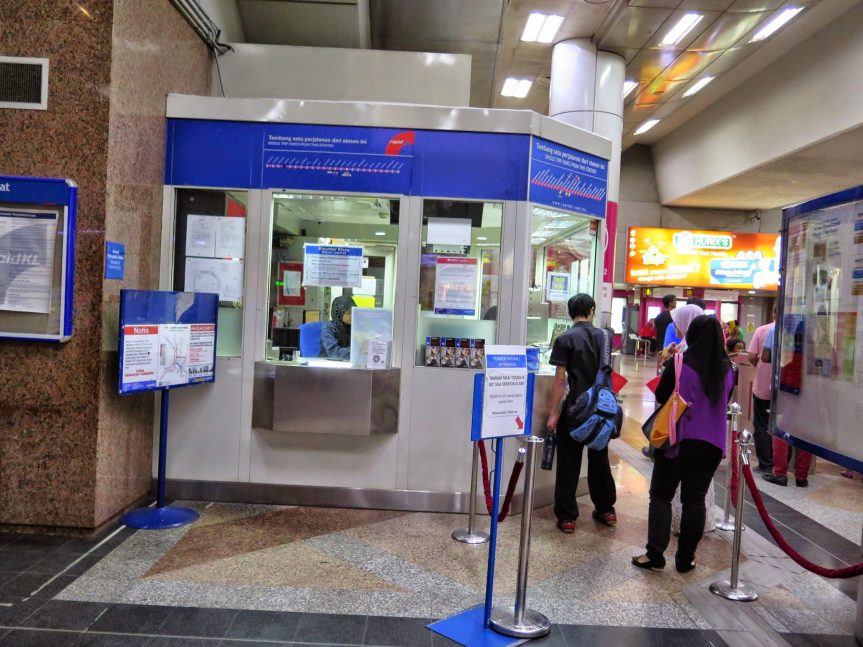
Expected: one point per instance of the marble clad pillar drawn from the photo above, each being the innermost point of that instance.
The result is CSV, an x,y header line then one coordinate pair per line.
x,y
73,454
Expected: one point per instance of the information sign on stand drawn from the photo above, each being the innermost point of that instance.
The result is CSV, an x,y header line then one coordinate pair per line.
x,y
167,340
504,407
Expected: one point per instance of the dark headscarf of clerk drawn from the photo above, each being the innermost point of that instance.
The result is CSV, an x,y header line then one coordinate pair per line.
x,y
336,334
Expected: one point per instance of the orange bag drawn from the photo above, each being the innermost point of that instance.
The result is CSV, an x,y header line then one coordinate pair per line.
x,y
664,430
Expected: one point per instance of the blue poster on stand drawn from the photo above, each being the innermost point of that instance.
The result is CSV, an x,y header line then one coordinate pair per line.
x,y
335,158
565,178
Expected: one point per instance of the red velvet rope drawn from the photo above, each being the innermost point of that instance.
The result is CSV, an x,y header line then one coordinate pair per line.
x,y
834,573
510,490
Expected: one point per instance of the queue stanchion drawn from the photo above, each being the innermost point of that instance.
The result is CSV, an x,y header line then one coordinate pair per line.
x,y
734,410
734,589
518,621
470,535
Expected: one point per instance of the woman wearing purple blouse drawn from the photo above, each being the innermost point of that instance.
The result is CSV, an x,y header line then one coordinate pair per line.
x,y
706,382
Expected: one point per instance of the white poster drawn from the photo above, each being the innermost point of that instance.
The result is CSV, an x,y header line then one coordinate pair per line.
x,y
173,354
504,404
140,355
449,231
291,283
230,237
557,287
202,351
217,275
456,286
27,260
369,287
338,266
201,236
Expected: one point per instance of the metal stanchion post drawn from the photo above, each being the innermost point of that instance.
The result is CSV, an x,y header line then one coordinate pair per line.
x,y
519,621
734,589
734,411
469,535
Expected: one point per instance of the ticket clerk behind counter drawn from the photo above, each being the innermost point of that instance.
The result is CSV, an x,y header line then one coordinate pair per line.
x,y
336,334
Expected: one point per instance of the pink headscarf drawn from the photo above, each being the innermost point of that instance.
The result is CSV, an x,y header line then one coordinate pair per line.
x,y
682,317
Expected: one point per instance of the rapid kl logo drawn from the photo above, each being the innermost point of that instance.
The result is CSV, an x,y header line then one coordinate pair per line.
x,y
688,240
397,142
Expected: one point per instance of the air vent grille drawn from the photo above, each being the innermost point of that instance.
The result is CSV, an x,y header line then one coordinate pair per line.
x,y
23,83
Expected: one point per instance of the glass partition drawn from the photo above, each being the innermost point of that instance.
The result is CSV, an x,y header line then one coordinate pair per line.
x,y
563,263
332,279
459,283
209,248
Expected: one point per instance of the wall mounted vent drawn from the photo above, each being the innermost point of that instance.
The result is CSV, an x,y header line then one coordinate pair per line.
x,y
23,83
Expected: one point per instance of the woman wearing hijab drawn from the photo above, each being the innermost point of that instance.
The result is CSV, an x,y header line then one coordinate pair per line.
x,y
675,335
706,382
336,334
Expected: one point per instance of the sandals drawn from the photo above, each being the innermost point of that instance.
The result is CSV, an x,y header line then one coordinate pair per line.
x,y
566,527
643,561
606,518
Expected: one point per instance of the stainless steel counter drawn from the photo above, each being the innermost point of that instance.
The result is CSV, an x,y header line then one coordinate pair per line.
x,y
323,400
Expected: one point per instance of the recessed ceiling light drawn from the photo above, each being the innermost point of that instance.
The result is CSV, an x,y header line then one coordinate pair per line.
x,y
775,24
380,233
629,86
481,238
541,28
695,88
647,125
523,88
683,27
517,88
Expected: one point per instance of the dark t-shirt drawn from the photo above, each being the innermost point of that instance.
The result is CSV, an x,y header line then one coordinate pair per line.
x,y
663,320
578,349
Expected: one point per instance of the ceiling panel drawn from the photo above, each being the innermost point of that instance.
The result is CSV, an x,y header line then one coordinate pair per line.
x,y
689,65
440,20
709,17
319,24
667,4
635,27
659,90
706,5
755,5
650,63
726,31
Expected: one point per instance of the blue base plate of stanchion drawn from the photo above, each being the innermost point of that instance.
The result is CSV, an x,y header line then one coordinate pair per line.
x,y
466,628
159,518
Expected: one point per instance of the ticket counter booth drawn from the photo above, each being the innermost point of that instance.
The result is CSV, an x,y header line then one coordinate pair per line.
x,y
438,230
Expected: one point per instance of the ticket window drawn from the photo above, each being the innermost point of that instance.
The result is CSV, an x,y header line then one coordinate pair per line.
x,y
209,251
457,312
563,263
302,289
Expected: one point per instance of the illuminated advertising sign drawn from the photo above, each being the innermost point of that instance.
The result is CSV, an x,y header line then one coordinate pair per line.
x,y
689,258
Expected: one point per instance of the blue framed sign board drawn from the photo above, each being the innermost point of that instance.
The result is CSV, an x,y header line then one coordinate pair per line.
x,y
167,339
360,159
37,258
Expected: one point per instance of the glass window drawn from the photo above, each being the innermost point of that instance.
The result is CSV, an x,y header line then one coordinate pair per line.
x,y
209,247
563,262
459,282
332,278
618,304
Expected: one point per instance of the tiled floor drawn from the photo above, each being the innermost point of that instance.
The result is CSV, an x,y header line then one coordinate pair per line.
x,y
247,575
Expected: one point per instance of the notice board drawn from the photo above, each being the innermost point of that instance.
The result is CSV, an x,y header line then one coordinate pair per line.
x,y
167,339
818,380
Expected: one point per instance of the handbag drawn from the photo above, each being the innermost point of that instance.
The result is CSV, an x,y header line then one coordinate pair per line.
x,y
661,427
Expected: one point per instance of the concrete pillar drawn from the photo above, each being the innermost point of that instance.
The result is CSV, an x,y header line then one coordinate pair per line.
x,y
587,91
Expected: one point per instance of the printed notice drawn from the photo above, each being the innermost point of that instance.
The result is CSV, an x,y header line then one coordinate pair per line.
x,y
557,289
202,352
505,392
215,275
173,355
201,236
333,266
230,237
26,260
140,356
456,286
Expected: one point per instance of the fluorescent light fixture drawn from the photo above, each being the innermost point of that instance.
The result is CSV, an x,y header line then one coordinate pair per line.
x,y
481,238
523,88
698,86
549,29
629,86
775,24
380,233
647,125
683,27
509,87
541,28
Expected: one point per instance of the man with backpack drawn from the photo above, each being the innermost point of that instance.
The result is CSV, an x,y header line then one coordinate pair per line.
x,y
577,355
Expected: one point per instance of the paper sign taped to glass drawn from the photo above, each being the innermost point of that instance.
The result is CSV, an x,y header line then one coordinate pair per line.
x,y
26,259
339,266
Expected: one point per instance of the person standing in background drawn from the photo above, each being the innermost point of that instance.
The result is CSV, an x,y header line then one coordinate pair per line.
x,y
663,320
762,390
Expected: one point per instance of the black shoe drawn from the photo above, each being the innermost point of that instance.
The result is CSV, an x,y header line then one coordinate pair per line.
x,y
802,482
684,567
778,480
643,561
765,469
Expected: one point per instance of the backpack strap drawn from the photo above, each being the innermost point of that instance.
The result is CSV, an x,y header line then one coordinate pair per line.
x,y
603,374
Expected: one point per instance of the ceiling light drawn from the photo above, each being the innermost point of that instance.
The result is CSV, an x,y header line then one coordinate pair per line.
x,y
629,86
776,23
481,238
380,233
523,88
683,27
509,87
647,125
541,28
549,29
695,88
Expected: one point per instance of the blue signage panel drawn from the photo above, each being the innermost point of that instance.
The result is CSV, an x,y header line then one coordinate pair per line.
x,y
167,339
565,178
32,190
115,260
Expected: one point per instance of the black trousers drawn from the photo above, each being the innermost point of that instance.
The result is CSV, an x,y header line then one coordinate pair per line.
x,y
763,439
692,469
600,482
